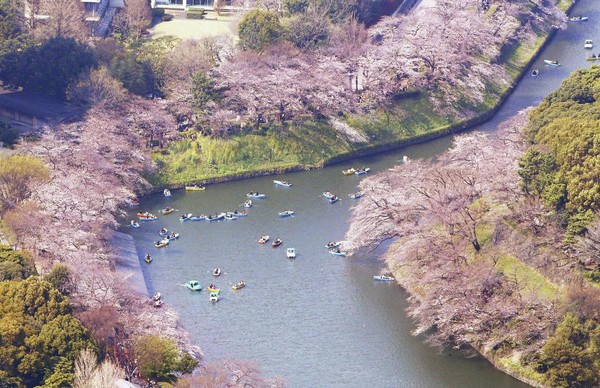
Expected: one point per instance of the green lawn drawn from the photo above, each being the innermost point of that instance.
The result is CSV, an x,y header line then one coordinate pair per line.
x,y
183,28
528,279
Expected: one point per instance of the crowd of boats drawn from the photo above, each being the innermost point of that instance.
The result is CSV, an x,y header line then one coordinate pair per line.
x,y
333,247
213,289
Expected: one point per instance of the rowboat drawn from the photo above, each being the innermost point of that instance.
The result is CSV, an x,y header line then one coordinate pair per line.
x,y
337,252
263,239
229,217
134,224
328,194
384,278
588,44
198,218
162,243
194,285
282,183
333,244
163,232
167,210
166,193
349,171
256,195
356,195
214,288
362,171
248,204
406,159
214,297
238,285
276,243
549,62
216,217
535,73
195,188
151,217
185,217
239,214
578,19
290,253
286,213
334,199
148,259
217,272
145,215
593,57
173,236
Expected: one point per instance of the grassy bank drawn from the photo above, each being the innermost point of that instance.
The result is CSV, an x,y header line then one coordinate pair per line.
x,y
313,144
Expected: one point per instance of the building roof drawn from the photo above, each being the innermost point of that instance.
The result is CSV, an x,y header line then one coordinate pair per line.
x,y
37,105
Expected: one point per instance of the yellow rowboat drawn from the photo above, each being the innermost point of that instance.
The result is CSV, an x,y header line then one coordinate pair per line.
x,y
349,171
195,188
593,58
162,243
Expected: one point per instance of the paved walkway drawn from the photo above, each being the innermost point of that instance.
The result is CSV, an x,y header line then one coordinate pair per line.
x,y
128,263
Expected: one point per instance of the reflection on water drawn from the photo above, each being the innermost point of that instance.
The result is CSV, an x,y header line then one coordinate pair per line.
x,y
318,320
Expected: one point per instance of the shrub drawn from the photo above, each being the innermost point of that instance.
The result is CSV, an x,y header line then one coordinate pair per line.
x,y
258,29
194,14
8,134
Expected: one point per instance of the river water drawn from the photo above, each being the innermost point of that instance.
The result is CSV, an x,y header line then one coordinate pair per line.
x,y
318,320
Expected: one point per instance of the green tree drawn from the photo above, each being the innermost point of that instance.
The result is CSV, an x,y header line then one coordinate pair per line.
x,y
537,170
40,339
187,364
19,174
62,376
569,358
293,7
134,76
158,358
13,32
48,68
154,55
203,91
565,125
8,134
308,30
60,278
258,29
15,265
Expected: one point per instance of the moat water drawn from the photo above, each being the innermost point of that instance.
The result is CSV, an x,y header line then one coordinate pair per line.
x,y
319,320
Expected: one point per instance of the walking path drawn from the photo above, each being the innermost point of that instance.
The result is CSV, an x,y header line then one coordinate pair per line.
x,y
128,263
